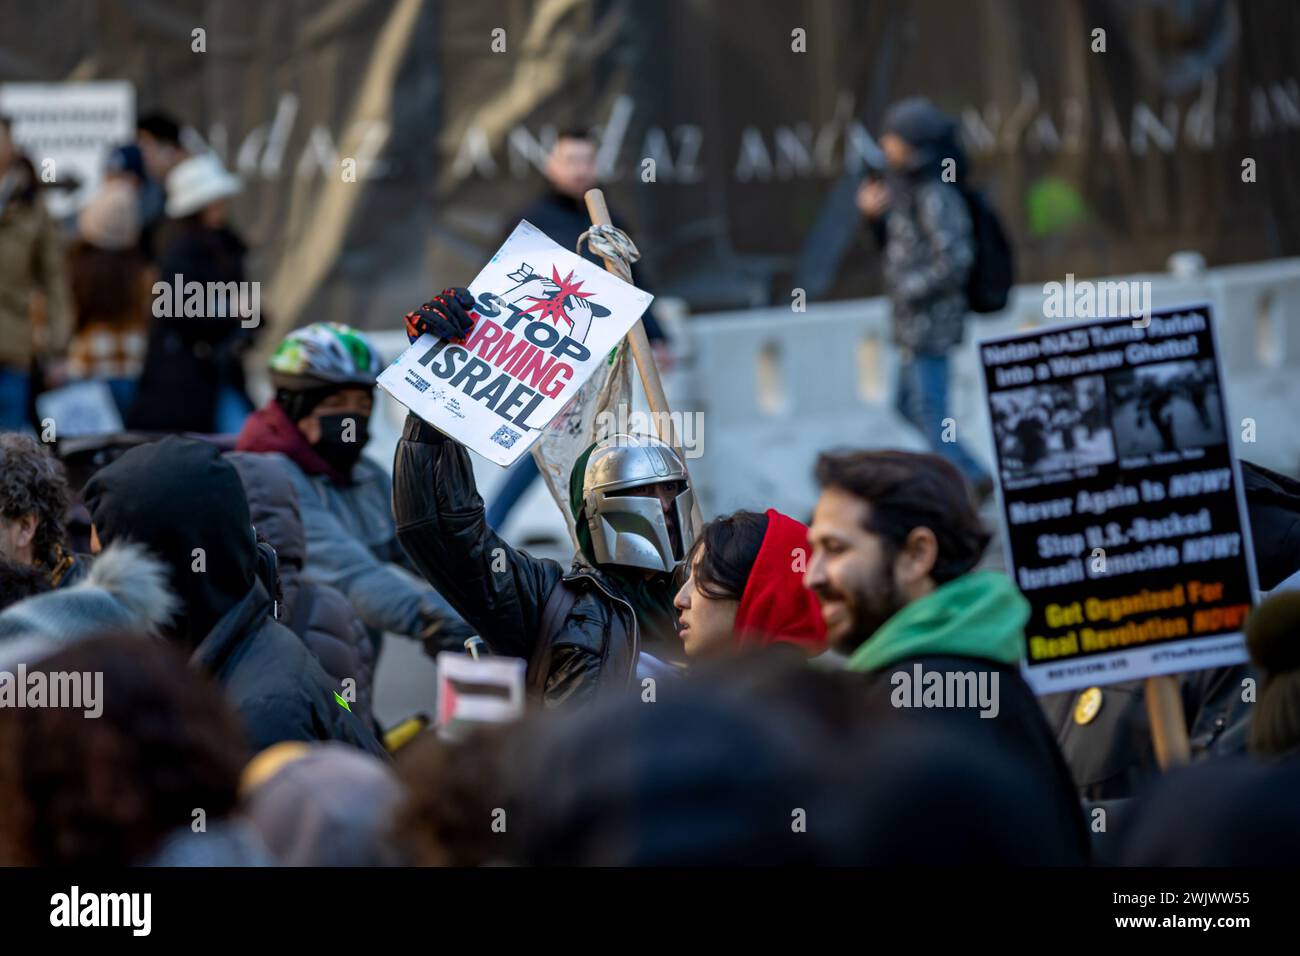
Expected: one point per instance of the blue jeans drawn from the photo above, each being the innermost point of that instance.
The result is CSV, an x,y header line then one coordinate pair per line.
x,y
15,388
518,481
232,409
922,399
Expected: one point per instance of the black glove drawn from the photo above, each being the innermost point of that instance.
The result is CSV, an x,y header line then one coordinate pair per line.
x,y
443,633
446,316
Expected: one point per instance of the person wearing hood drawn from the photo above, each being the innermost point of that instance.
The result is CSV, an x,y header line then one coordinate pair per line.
x,y
895,540
744,589
929,250
316,612
316,427
579,629
185,503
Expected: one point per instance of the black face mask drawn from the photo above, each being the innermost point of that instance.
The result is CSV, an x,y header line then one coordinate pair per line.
x,y
334,446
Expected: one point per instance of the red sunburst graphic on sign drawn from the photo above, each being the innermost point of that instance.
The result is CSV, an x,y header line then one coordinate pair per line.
x,y
553,307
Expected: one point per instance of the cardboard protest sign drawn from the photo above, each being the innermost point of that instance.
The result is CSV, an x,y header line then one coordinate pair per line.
x,y
1124,512
546,320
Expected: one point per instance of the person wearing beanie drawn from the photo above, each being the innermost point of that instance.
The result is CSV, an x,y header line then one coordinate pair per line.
x,y
185,503
316,427
111,288
744,588
929,251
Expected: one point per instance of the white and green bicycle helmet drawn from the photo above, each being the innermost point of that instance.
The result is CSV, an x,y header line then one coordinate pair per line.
x,y
319,359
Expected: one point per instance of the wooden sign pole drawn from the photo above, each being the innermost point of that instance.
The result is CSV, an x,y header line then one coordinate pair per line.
x,y
1168,723
642,354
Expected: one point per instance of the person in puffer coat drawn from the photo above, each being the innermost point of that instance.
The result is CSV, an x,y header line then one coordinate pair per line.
x,y
184,502
606,622
317,425
316,612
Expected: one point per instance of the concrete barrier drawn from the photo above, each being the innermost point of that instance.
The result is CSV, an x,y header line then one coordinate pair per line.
x,y
775,387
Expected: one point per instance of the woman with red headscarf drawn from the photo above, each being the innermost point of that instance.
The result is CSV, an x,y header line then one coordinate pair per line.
x,y
745,588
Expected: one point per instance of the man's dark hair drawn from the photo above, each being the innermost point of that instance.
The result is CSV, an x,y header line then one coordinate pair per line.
x,y
728,547
575,132
907,490
32,481
20,581
161,126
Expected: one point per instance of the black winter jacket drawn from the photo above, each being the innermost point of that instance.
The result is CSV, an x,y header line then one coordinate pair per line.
x,y
588,641
1018,730
316,612
275,685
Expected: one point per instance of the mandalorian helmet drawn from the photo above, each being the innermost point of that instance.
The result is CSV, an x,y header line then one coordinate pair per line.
x,y
626,517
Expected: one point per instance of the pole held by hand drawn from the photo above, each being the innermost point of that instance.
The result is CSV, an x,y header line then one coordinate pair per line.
x,y
642,354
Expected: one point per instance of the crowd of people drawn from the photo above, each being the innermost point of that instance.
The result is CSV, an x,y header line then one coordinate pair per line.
x,y
217,590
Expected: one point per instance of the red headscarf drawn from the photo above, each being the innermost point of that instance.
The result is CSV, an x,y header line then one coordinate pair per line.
x,y
776,607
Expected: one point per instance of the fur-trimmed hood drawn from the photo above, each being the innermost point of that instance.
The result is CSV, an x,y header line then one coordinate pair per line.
x,y
124,591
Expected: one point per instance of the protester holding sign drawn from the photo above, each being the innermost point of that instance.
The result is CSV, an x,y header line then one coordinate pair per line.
x,y
611,613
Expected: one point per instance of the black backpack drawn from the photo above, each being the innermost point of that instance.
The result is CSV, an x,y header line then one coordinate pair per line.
x,y
993,272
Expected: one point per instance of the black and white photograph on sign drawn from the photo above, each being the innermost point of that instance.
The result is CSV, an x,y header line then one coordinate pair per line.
x,y
1054,427
1165,407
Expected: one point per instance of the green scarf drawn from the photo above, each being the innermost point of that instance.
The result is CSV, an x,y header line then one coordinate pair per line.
x,y
980,614
651,597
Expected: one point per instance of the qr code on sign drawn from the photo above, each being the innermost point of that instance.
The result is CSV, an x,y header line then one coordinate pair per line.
x,y
505,437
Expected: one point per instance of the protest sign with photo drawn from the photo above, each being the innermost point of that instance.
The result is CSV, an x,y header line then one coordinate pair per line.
x,y
545,321
1124,512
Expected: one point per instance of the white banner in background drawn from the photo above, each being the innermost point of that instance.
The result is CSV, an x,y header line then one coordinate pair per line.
x,y
75,125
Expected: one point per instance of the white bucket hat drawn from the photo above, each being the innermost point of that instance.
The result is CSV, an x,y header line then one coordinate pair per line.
x,y
195,182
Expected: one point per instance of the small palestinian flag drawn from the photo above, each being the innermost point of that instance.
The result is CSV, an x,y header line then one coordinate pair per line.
x,y
485,691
